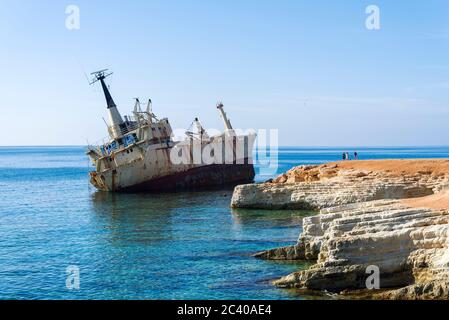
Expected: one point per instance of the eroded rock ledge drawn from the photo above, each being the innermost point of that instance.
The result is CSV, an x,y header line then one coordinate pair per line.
x,y
323,186
365,221
409,245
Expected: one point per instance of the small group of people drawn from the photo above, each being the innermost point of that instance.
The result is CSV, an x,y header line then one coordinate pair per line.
x,y
346,156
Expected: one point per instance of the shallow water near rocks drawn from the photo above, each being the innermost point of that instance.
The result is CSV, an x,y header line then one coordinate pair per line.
x,y
187,245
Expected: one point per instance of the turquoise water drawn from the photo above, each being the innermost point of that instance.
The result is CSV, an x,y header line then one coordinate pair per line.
x,y
170,246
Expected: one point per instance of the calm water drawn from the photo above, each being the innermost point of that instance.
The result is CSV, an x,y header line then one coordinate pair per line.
x,y
169,246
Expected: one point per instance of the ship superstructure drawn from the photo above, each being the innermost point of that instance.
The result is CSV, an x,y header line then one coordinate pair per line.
x,y
140,154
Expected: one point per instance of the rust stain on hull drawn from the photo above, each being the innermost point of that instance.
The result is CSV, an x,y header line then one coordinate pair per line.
x,y
198,178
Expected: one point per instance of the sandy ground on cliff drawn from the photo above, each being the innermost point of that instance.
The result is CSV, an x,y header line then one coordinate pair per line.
x,y
435,167
398,167
439,201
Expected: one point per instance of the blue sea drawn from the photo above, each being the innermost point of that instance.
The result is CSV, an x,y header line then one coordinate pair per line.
x,y
188,245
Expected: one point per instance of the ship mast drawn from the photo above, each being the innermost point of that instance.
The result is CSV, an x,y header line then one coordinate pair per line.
x,y
115,119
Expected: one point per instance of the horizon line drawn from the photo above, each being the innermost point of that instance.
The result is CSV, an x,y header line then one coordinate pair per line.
x,y
284,146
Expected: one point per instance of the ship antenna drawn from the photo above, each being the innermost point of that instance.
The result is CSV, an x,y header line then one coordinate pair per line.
x,y
87,78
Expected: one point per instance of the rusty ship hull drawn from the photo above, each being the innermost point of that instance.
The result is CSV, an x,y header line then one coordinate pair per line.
x,y
198,178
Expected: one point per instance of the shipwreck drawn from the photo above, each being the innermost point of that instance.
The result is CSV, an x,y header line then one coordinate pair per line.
x,y
140,154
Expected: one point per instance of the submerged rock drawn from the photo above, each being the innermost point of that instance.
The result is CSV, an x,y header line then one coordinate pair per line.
x,y
295,252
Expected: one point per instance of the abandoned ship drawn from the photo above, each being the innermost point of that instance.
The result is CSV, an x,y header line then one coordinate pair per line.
x,y
141,155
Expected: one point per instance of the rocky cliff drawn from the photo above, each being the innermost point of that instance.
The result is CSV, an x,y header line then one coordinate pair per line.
x,y
316,187
389,216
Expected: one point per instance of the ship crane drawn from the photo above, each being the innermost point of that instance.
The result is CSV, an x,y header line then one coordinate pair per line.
x,y
201,132
146,116
227,124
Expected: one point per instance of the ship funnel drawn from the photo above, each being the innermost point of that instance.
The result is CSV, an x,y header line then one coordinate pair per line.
x,y
115,119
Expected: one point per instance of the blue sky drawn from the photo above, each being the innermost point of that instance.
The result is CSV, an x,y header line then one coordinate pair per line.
x,y
308,68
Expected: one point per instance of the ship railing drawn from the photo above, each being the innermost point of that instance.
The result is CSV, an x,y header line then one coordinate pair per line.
x,y
130,126
142,118
118,130
99,146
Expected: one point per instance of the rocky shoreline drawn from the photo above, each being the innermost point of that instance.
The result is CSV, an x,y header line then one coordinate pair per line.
x,y
386,216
